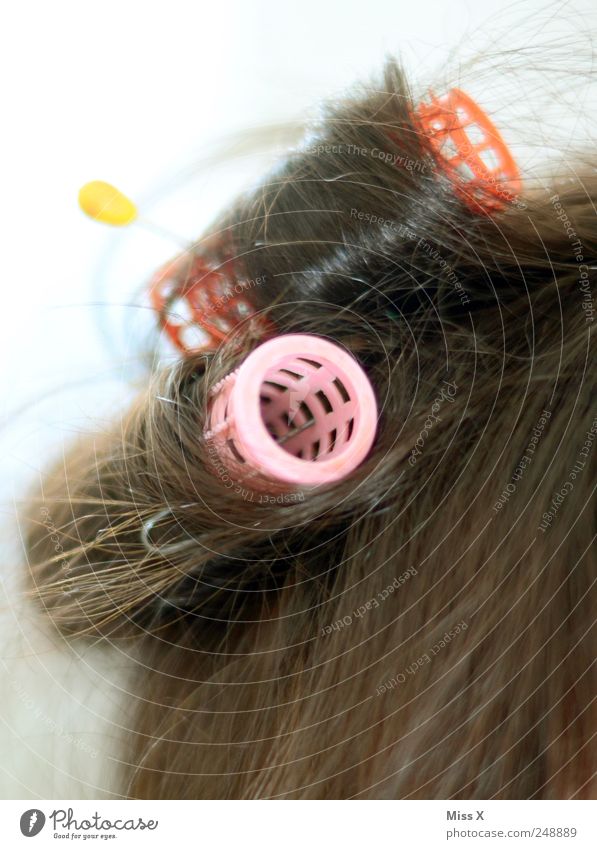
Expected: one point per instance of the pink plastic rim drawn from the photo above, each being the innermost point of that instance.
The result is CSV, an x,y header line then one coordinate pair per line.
x,y
300,410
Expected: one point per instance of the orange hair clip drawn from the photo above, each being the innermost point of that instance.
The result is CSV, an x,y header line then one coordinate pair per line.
x,y
474,154
199,313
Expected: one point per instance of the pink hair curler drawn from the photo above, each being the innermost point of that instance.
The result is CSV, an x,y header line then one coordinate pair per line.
x,y
299,411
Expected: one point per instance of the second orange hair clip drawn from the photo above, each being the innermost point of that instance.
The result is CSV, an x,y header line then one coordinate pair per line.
x,y
471,150
198,313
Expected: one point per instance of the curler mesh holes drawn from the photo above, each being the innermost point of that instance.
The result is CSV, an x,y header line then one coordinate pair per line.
x,y
325,401
489,159
333,436
466,171
283,424
342,389
290,415
194,337
311,362
179,312
167,287
279,386
303,405
305,410
449,149
475,134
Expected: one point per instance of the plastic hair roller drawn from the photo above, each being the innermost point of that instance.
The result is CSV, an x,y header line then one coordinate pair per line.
x,y
473,152
200,312
198,305
299,411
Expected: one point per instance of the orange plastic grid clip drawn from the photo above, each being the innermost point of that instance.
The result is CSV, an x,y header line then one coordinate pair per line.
x,y
198,306
474,154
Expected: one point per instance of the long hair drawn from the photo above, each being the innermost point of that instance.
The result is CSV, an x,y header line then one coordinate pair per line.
x,y
421,629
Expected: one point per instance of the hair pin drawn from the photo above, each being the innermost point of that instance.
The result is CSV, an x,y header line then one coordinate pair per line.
x,y
105,203
299,411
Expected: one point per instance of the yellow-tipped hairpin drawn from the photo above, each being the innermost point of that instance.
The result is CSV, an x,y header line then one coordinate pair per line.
x,y
104,202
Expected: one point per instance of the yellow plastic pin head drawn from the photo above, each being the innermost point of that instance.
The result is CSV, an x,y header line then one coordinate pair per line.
x,y
105,203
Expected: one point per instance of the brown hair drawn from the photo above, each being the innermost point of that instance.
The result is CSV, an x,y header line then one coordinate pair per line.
x,y
421,629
